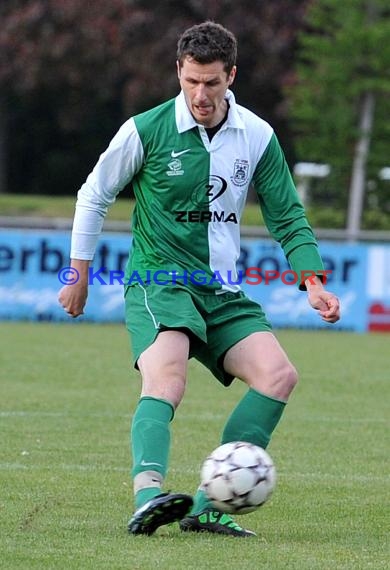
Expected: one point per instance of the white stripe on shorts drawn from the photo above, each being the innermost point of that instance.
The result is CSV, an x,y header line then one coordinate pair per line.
x,y
155,323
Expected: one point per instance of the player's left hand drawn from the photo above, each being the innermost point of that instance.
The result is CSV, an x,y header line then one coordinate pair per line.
x,y
326,303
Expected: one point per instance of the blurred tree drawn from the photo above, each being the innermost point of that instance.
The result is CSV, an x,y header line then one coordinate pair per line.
x,y
71,72
61,70
339,100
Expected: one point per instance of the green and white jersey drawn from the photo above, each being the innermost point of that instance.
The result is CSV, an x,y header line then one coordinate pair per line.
x,y
190,194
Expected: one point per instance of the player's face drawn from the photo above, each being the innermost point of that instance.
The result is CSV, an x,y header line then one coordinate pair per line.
x,y
204,87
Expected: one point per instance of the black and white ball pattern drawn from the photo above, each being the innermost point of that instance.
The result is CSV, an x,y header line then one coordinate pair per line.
x,y
238,477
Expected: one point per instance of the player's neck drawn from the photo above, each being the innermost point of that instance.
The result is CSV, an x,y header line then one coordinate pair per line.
x,y
211,131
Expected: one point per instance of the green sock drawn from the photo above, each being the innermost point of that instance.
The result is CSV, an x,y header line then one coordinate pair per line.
x,y
254,419
201,502
144,495
150,441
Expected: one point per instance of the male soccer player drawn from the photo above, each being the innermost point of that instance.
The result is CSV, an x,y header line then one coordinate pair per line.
x,y
191,161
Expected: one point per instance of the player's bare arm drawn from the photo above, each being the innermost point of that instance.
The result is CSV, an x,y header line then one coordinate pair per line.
x,y
73,297
325,302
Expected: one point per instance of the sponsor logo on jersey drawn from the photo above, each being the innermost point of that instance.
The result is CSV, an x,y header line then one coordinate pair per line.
x,y
195,216
240,172
205,193
209,190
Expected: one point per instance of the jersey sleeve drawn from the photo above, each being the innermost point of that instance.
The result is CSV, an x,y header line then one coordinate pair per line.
x,y
115,168
283,212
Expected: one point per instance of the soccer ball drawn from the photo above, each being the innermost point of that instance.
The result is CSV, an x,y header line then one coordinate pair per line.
x,y
238,477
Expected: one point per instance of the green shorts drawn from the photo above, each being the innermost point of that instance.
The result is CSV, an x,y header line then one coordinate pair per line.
x,y
214,323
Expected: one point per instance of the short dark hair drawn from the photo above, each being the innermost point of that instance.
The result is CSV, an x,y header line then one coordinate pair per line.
x,y
206,43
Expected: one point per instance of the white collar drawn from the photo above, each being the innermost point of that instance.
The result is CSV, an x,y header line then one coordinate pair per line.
x,y
185,121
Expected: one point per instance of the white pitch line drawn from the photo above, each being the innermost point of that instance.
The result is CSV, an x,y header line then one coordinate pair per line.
x,y
291,476
204,416
64,466
343,420
23,414
340,478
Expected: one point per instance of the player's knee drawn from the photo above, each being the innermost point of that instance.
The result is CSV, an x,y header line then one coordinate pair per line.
x,y
278,382
289,378
285,380
169,387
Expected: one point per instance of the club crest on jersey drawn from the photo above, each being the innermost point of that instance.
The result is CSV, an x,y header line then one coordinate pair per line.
x,y
175,168
241,172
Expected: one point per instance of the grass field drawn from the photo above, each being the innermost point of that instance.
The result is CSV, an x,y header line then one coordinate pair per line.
x,y
67,392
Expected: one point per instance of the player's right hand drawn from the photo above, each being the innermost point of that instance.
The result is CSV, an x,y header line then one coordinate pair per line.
x,y
73,299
